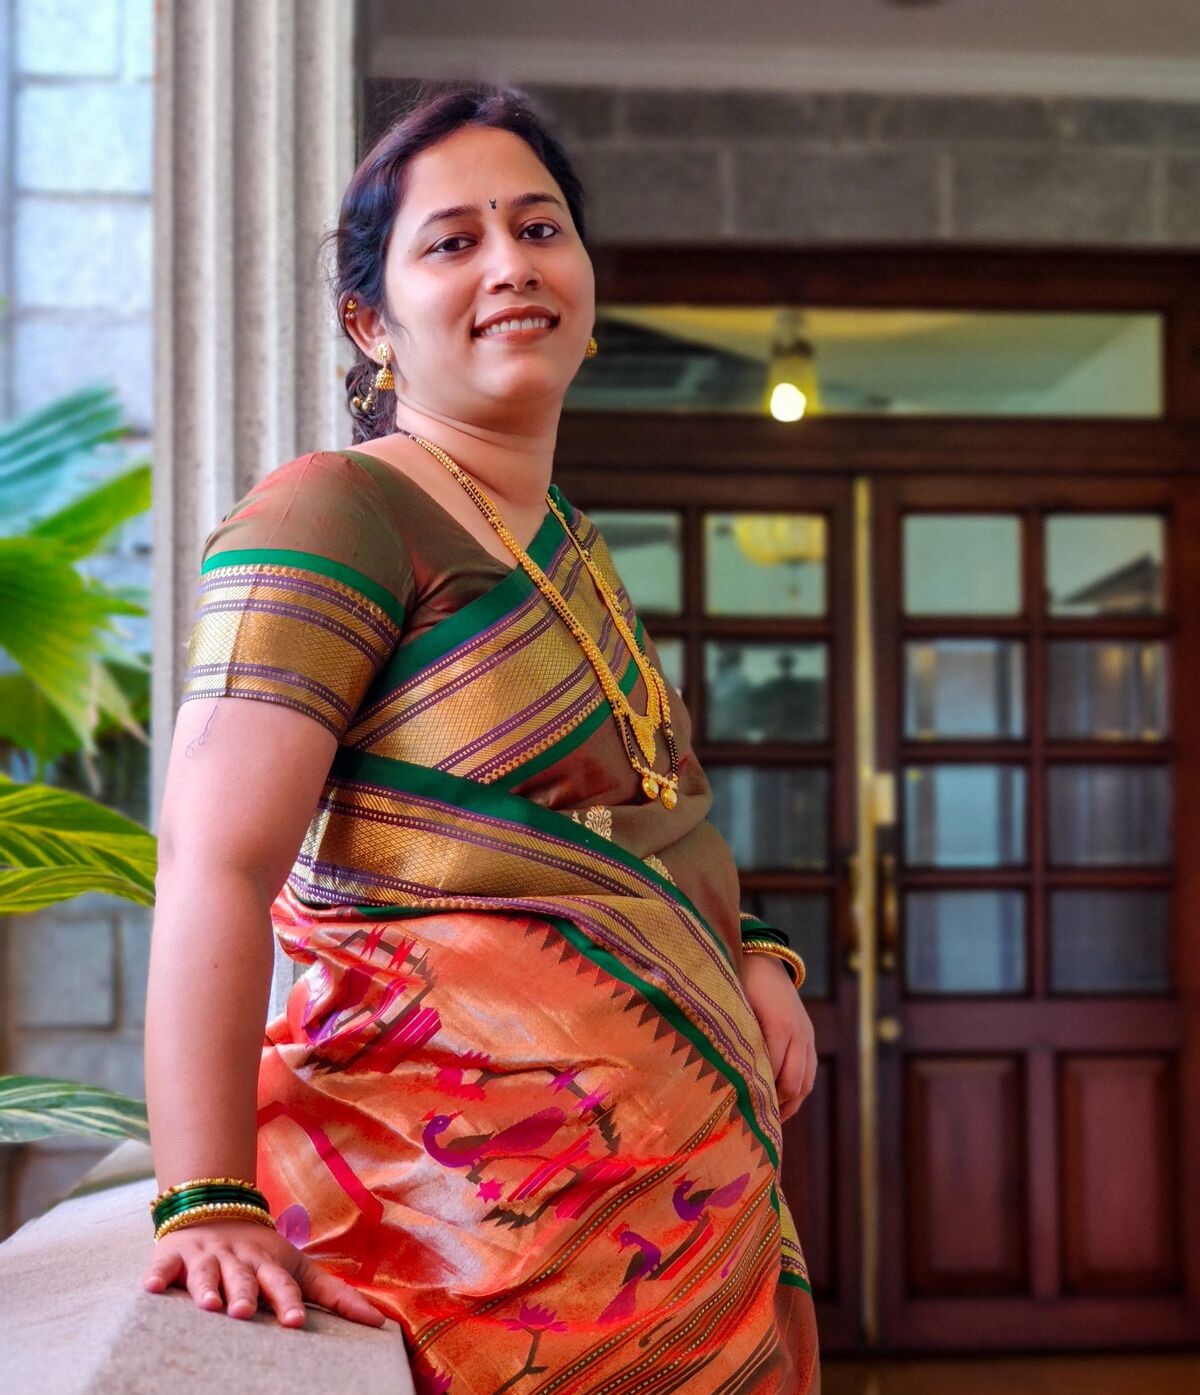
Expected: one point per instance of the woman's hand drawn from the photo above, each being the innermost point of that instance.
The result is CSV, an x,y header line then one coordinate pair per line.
x,y
786,1028
242,1257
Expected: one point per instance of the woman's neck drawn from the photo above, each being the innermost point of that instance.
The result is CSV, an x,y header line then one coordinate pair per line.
x,y
513,467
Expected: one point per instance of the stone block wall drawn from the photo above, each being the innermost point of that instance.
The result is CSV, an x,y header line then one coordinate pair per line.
x,y
679,165
76,274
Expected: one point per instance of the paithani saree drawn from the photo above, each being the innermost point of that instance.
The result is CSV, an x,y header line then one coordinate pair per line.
x,y
517,1097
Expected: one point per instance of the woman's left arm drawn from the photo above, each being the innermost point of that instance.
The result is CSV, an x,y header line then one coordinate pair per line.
x,y
786,1028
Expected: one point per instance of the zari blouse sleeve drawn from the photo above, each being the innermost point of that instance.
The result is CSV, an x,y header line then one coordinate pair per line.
x,y
302,592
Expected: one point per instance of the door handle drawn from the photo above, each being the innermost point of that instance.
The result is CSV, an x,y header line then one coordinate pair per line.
x,y
889,912
853,957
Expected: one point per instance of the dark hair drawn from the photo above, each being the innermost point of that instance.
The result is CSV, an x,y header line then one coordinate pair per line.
x,y
376,191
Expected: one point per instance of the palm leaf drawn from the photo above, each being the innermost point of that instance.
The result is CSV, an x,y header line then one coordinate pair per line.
x,y
38,450
37,1106
48,626
83,525
47,834
32,888
29,719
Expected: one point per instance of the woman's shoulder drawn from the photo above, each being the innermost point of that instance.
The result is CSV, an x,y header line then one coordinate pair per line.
x,y
320,507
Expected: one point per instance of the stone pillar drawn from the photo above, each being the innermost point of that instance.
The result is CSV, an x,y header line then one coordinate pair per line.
x,y
254,143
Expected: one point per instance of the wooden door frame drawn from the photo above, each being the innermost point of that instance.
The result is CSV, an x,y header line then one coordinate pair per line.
x,y
623,457
958,278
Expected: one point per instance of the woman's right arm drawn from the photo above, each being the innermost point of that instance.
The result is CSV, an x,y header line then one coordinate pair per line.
x,y
243,780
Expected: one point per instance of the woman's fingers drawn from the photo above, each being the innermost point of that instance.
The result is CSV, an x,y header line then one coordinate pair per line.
x,y
203,1281
791,1078
810,1072
241,1287
798,1075
162,1271
283,1293
337,1295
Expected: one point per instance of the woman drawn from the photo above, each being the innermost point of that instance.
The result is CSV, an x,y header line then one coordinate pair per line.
x,y
526,1097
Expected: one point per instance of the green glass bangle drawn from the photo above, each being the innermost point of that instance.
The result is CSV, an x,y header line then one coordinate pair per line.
x,y
196,1196
213,1190
182,1200
160,1218
752,928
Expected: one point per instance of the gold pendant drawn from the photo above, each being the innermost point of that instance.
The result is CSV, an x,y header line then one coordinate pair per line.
x,y
650,785
644,730
669,797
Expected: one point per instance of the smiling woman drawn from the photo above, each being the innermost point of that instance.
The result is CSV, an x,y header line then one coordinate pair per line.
x,y
526,1098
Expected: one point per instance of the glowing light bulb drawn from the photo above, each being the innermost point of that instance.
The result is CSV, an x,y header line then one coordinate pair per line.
x,y
787,402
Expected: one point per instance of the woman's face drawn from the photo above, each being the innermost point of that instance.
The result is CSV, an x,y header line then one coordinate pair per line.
x,y
512,243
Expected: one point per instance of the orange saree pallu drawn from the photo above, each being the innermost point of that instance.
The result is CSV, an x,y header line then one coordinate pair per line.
x,y
517,1097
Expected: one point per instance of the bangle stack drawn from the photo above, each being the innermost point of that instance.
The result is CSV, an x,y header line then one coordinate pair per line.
x,y
208,1199
760,938
795,965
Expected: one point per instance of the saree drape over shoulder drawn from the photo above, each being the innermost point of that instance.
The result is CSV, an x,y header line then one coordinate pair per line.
x,y
517,1098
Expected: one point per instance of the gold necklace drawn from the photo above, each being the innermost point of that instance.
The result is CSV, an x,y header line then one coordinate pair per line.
x,y
642,726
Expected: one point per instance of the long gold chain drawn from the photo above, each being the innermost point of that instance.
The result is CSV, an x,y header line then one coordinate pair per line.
x,y
644,727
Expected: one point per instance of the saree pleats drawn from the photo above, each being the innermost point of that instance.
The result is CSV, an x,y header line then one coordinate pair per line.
x,y
538,1171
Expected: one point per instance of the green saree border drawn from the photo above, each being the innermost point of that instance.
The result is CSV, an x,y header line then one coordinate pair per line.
x,y
577,735
678,1019
459,791
795,1281
312,562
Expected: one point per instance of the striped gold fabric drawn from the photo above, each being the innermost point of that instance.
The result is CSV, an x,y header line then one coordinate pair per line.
x,y
286,633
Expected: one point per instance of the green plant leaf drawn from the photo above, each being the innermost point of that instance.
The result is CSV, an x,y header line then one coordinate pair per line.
x,y
29,719
48,626
51,833
85,523
38,451
38,1106
111,699
30,889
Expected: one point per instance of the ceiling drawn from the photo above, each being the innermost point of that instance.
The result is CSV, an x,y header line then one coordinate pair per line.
x,y
1119,47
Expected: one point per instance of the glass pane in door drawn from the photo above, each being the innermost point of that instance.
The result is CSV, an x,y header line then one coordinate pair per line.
x,y
964,941
964,688
962,564
1110,941
964,815
764,564
1109,815
1104,564
1107,690
773,816
765,692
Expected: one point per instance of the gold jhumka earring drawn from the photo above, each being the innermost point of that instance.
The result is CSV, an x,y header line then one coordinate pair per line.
x,y
592,349
384,382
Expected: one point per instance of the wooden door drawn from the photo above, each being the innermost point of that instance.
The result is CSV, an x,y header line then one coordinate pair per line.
x,y
1036,645
1009,1169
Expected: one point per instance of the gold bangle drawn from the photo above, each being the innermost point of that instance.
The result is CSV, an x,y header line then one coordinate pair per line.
x,y
202,1181
215,1211
795,965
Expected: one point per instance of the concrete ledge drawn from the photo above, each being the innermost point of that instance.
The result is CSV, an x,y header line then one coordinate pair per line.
x,y
74,1319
